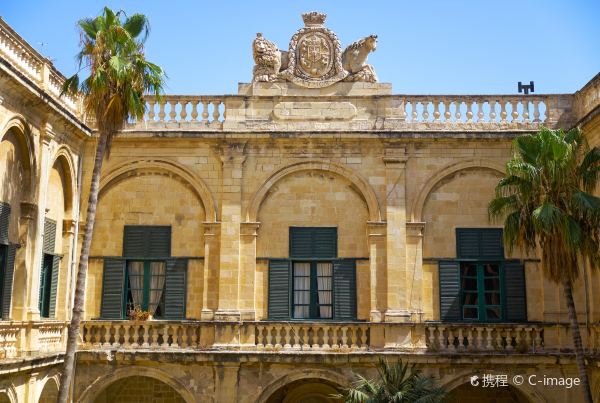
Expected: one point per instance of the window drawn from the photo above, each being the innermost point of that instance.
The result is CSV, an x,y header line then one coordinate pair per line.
x,y
313,290
147,275
313,283
146,285
50,266
481,291
481,285
7,262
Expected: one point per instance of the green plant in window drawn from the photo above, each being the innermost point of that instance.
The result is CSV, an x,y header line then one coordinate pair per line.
x,y
546,199
112,53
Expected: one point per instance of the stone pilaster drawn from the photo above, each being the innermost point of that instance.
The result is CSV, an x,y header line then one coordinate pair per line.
x,y
232,157
210,289
414,264
376,232
66,270
47,138
395,180
26,239
248,235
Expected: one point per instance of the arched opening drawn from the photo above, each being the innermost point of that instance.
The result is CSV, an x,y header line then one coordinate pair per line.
x,y
50,392
466,393
139,389
309,390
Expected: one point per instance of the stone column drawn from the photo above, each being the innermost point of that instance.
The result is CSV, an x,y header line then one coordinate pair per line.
x,y
226,382
395,164
248,235
27,232
47,138
376,232
210,289
414,263
232,156
31,390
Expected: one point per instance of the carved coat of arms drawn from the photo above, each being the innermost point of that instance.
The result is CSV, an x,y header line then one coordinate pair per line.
x,y
315,57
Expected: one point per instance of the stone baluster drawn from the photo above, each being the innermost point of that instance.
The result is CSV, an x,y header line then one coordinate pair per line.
x,y
538,339
305,338
315,337
344,339
216,104
509,338
326,344
499,345
144,333
478,344
492,104
295,334
503,113
470,332
414,113
126,336
525,104
204,111
515,110
260,341
135,342
335,341
461,339
268,335
489,344
196,333
457,112
105,335
194,112
528,338
364,342
425,113
172,110
175,332
183,113
442,338
279,337
151,103
480,114
287,340
436,111
536,111
431,337
469,114
161,110
447,113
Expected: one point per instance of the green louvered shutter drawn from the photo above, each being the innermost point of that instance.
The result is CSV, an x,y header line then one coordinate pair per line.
x,y
514,286
4,222
7,284
134,241
175,288
313,242
49,235
449,273
147,241
344,289
279,290
301,242
113,284
325,243
467,243
54,285
491,246
479,243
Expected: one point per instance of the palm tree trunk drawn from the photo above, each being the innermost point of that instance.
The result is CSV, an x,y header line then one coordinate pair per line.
x,y
579,356
79,300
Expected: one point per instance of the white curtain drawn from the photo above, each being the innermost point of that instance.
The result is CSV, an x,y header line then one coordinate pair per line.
x,y
157,284
136,282
301,290
324,273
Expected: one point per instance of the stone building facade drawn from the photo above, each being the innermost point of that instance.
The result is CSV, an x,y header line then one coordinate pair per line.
x,y
283,238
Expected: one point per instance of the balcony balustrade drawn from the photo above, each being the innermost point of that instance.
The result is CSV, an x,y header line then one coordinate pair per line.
x,y
22,339
435,338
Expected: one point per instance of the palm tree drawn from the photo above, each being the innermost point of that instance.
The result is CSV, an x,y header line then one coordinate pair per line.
x,y
547,201
398,383
112,51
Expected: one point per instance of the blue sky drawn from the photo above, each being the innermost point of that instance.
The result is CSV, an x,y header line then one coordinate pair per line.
x,y
425,47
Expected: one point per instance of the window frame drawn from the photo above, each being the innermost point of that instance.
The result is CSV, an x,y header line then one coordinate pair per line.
x,y
46,286
3,263
480,278
147,281
313,305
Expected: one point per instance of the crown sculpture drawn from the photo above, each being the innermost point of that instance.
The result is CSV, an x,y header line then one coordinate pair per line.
x,y
315,58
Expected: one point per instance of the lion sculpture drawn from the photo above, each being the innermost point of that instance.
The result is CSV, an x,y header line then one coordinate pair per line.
x,y
354,60
268,60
